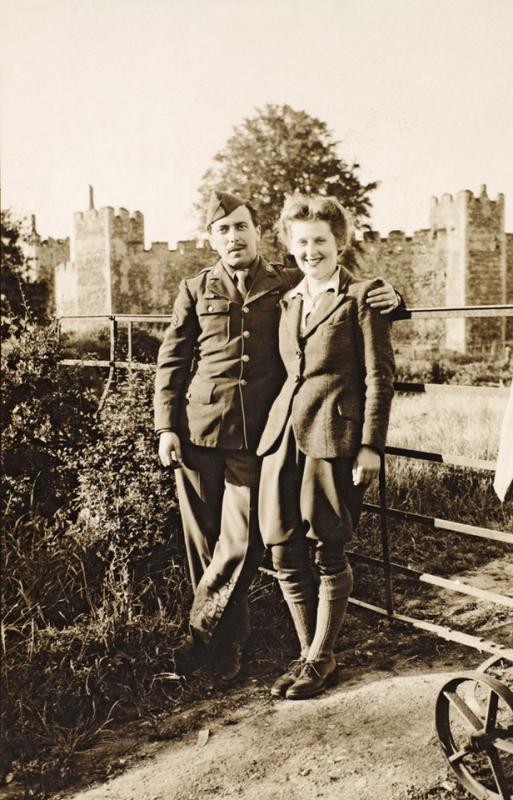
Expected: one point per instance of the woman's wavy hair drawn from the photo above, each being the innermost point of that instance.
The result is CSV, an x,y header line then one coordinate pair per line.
x,y
309,208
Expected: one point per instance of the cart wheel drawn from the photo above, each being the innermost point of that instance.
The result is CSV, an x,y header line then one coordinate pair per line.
x,y
474,721
498,667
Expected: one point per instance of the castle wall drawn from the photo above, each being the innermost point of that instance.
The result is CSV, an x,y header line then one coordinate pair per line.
x,y
66,290
146,281
390,258
43,256
140,283
464,258
416,267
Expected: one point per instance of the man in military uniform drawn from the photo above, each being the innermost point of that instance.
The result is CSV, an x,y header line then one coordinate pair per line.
x,y
218,373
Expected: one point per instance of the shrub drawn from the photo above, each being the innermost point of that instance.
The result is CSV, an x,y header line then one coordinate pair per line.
x,y
94,589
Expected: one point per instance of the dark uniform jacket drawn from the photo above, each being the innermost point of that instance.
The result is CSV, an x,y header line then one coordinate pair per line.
x,y
340,369
219,368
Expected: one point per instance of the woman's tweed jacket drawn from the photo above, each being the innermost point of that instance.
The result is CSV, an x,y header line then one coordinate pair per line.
x,y
340,370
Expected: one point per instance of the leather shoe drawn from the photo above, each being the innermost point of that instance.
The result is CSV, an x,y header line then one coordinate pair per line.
x,y
281,684
228,666
313,680
190,656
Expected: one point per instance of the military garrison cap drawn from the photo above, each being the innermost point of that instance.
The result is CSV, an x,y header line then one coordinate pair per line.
x,y
221,204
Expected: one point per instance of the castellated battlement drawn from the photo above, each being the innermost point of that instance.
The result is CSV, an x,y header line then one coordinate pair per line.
x,y
159,247
183,247
117,223
394,238
455,211
464,257
51,243
128,227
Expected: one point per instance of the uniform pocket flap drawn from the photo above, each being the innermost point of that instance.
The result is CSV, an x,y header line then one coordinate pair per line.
x,y
201,391
217,305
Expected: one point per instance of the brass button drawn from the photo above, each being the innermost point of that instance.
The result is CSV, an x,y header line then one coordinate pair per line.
x,y
246,334
245,309
243,382
210,308
245,357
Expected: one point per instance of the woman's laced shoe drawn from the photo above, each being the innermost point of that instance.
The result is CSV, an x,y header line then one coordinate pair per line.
x,y
281,684
315,676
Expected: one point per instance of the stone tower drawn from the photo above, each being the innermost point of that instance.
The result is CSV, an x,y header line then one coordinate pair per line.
x,y
102,241
110,272
471,245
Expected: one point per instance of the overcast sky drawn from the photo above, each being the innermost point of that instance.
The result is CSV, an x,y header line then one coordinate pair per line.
x,y
136,97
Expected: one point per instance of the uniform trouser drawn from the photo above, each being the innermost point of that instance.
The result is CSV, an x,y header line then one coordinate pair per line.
x,y
218,498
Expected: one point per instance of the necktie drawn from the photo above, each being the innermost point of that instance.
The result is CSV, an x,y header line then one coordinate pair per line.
x,y
240,281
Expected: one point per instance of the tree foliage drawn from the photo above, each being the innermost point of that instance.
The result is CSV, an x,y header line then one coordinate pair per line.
x,y
22,299
279,151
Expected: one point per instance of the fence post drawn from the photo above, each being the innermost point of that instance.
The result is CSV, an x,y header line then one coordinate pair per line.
x,y
111,379
129,349
389,598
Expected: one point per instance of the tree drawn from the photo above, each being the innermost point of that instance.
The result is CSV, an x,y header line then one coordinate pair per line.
x,y
22,298
278,151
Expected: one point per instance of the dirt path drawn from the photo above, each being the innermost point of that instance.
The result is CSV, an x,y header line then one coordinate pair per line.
x,y
371,737
363,742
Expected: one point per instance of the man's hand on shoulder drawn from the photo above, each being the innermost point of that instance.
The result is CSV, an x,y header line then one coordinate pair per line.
x,y
170,449
384,298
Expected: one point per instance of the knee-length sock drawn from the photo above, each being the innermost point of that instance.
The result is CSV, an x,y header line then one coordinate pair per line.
x,y
334,591
301,598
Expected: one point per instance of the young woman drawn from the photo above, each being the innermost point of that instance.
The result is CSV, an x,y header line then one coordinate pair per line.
x,y
324,435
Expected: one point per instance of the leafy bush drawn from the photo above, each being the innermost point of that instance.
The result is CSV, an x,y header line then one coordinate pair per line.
x,y
94,587
453,368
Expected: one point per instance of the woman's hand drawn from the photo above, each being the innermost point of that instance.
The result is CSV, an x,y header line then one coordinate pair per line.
x,y
366,466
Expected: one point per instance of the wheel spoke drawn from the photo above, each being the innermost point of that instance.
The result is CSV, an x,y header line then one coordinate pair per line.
x,y
498,774
458,756
464,710
491,711
504,745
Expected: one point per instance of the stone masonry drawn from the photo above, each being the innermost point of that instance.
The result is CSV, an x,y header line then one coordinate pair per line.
x,y
464,258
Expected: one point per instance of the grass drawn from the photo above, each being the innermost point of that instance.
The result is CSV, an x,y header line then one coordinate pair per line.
x,y
95,594
453,422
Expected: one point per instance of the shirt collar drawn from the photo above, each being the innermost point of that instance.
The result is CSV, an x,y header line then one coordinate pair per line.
x,y
302,287
251,268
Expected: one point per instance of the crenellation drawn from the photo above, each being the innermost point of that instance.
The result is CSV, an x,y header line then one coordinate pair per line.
x,y
463,258
186,246
160,247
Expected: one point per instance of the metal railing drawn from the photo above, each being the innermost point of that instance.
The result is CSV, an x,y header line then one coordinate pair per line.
x,y
389,567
